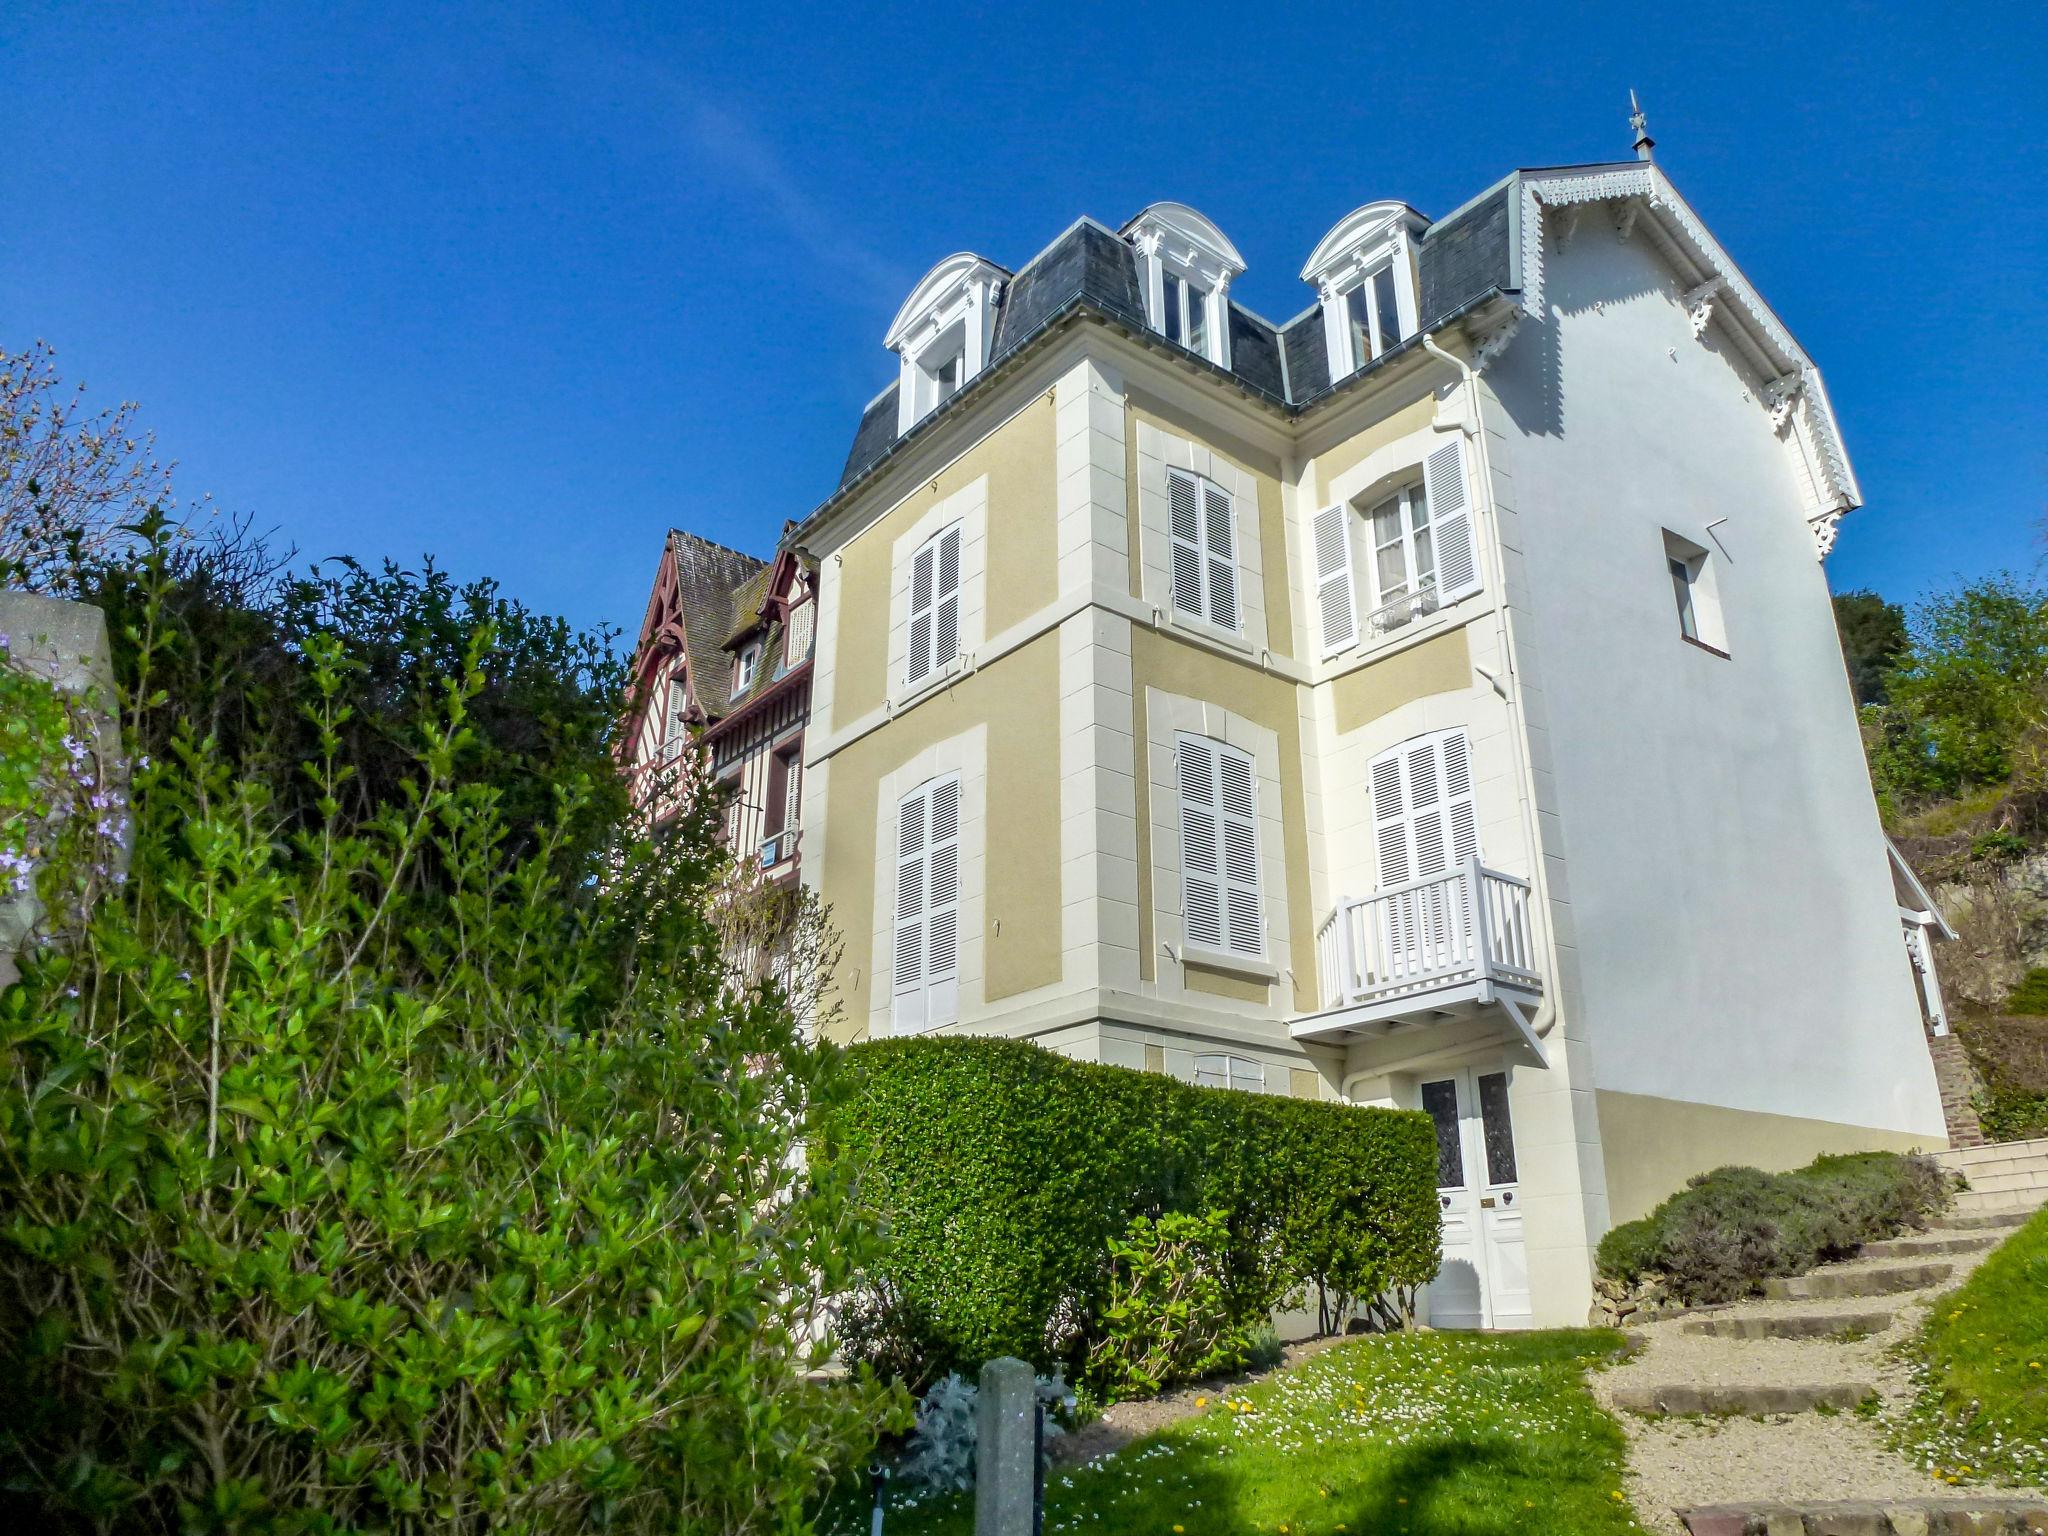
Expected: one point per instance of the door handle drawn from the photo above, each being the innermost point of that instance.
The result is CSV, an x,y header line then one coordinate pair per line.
x,y
1486,1202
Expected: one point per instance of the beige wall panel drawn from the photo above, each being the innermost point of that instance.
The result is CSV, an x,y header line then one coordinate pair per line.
x,y
1018,698
1279,600
1412,417
1243,989
1022,552
1442,665
1177,666
1653,1145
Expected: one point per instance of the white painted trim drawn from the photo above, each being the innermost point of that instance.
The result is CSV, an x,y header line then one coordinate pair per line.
x,y
1173,238
953,304
968,507
966,756
1159,451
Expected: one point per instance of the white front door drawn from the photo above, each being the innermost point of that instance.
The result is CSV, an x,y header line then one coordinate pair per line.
x,y
1484,1280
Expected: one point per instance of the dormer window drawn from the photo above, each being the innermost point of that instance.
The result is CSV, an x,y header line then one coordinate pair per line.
x,y
943,333
745,665
1364,270
1185,268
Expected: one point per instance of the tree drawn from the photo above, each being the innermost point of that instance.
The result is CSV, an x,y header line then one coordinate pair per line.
x,y
70,478
377,1160
1873,635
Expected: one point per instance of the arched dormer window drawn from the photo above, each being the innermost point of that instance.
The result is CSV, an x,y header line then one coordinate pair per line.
x,y
1364,273
1185,268
942,334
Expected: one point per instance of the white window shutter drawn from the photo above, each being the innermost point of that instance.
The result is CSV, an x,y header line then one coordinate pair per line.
x,y
1390,818
946,600
1201,865
907,982
926,985
1450,514
921,576
1331,532
1222,557
1244,924
1184,504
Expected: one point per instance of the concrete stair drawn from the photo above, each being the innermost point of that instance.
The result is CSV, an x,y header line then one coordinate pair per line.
x,y
2004,1176
1721,1400
1903,1517
1804,1325
1930,1244
1878,1280
2001,1222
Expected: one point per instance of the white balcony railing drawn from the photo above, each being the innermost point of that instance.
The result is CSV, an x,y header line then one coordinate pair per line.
x,y
1468,925
779,848
1395,612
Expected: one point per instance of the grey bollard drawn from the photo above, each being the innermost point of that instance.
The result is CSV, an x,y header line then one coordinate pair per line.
x,y
1006,1450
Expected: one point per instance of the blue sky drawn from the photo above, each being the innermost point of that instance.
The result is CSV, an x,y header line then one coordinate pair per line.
x,y
522,286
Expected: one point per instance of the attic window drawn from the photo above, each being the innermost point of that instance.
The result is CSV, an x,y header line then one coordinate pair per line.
x,y
1364,269
943,334
745,665
1185,268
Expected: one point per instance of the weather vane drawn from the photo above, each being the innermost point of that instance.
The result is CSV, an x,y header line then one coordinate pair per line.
x,y
1641,124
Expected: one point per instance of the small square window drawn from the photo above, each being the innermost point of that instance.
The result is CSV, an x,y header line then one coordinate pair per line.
x,y
744,666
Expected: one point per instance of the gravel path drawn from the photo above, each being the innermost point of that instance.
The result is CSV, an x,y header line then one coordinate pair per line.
x,y
1679,1463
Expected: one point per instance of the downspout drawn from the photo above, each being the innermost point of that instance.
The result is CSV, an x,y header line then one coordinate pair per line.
x,y
1545,1017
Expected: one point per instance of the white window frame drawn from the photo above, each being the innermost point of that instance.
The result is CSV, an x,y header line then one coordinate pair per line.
x,y
933,645
746,666
950,314
1220,1069
1367,287
1698,599
924,992
1379,237
1222,902
1195,553
1173,240
1420,590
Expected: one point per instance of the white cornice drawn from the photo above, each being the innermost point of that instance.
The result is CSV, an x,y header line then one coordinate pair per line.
x,y
1359,233
1188,238
940,291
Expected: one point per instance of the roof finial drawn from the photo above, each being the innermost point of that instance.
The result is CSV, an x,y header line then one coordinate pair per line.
x,y
1641,124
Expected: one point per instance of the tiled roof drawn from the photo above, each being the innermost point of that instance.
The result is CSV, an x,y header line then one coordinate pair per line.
x,y
706,576
1460,259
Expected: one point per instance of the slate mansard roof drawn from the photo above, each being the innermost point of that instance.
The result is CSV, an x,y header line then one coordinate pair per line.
x,y
1461,260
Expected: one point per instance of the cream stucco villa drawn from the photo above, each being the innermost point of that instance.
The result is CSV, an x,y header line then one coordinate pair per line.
x,y
1430,700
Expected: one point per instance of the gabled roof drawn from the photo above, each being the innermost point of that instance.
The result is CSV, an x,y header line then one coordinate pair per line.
x,y
690,610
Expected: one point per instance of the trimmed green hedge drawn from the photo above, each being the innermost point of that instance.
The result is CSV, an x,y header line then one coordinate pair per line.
x,y
1728,1231
1003,1171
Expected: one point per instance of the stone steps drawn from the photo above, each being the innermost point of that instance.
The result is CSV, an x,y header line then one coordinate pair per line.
x,y
1883,1280
1989,1202
1803,1325
1926,1243
1986,1221
1858,1517
1722,1400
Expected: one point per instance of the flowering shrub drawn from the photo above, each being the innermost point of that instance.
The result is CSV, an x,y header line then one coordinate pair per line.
x,y
63,810
1003,1172
366,1165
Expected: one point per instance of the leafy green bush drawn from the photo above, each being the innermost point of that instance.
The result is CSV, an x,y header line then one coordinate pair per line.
x,y
2011,1114
373,1161
1003,1173
1728,1231
2030,997
1166,1319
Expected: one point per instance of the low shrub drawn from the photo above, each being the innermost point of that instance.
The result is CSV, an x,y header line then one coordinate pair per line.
x,y
2031,995
939,1457
1166,1319
1003,1173
1728,1231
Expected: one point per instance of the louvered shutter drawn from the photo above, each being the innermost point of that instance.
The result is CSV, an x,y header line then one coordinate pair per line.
x,y
1426,823
1450,514
1390,819
1184,498
1244,928
1201,866
1331,530
921,581
908,978
925,986
946,600
1222,557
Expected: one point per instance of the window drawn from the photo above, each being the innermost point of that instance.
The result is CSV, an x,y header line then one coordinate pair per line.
x,y
1219,848
1184,312
1695,589
1204,549
744,666
675,729
1681,587
934,605
1424,818
946,379
941,334
1372,314
1422,548
796,633
925,986
1239,1072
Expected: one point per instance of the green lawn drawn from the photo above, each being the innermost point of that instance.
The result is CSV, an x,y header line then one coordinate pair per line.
x,y
1982,1360
1428,1434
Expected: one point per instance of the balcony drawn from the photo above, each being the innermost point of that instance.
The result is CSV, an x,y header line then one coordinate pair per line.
x,y
1458,945
1405,609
